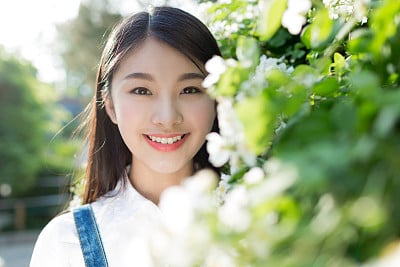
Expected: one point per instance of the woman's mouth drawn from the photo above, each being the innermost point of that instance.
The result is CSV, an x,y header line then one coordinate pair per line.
x,y
165,143
165,140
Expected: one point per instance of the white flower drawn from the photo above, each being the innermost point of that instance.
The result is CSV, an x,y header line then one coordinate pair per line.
x,y
218,150
181,230
300,6
229,144
294,17
180,203
177,204
254,175
348,8
293,22
200,183
230,126
222,189
221,146
269,63
215,67
235,214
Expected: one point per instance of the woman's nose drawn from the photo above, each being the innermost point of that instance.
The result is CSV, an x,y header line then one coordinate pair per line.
x,y
167,112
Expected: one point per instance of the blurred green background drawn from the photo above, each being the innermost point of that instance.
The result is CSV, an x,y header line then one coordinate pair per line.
x,y
49,53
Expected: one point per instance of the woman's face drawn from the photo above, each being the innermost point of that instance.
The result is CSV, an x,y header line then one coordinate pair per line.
x,y
162,111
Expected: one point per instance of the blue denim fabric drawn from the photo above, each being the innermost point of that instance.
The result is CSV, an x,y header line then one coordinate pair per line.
x,y
89,237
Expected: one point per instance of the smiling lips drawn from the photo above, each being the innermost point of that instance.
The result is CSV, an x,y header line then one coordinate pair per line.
x,y
166,143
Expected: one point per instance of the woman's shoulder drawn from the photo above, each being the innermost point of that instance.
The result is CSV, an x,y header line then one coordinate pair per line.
x,y
58,243
61,227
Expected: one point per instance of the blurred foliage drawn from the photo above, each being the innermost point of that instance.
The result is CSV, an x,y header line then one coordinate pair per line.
x,y
319,102
29,119
22,123
81,41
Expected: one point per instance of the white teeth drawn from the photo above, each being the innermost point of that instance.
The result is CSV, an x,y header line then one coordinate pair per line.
x,y
165,141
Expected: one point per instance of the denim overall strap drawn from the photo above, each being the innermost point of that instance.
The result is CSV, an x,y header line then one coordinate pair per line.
x,y
89,237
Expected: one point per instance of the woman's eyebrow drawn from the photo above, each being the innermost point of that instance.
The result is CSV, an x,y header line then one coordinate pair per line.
x,y
139,75
149,77
191,76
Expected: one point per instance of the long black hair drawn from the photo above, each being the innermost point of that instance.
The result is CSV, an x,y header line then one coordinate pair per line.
x,y
108,155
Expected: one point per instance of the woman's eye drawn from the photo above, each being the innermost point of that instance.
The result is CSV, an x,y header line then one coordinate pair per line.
x,y
190,90
141,91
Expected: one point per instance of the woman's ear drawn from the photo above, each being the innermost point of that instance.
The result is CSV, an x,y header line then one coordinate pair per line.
x,y
109,106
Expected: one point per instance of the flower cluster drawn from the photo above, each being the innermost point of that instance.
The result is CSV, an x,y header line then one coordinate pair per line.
x,y
304,184
348,8
258,82
191,218
215,67
236,19
229,144
185,209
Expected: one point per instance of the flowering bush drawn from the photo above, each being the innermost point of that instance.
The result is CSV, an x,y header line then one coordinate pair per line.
x,y
309,110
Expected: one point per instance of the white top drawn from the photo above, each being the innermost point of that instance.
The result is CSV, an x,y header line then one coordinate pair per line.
x,y
123,216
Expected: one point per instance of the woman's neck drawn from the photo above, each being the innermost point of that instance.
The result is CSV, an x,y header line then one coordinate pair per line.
x,y
151,184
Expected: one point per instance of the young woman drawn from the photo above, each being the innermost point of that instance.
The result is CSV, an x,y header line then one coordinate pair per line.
x,y
148,122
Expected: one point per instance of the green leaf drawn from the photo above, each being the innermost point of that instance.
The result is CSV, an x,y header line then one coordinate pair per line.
x,y
360,41
303,70
384,24
339,63
326,87
258,120
365,83
318,34
271,17
280,38
230,80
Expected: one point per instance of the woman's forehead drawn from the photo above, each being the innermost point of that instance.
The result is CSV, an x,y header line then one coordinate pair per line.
x,y
152,55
